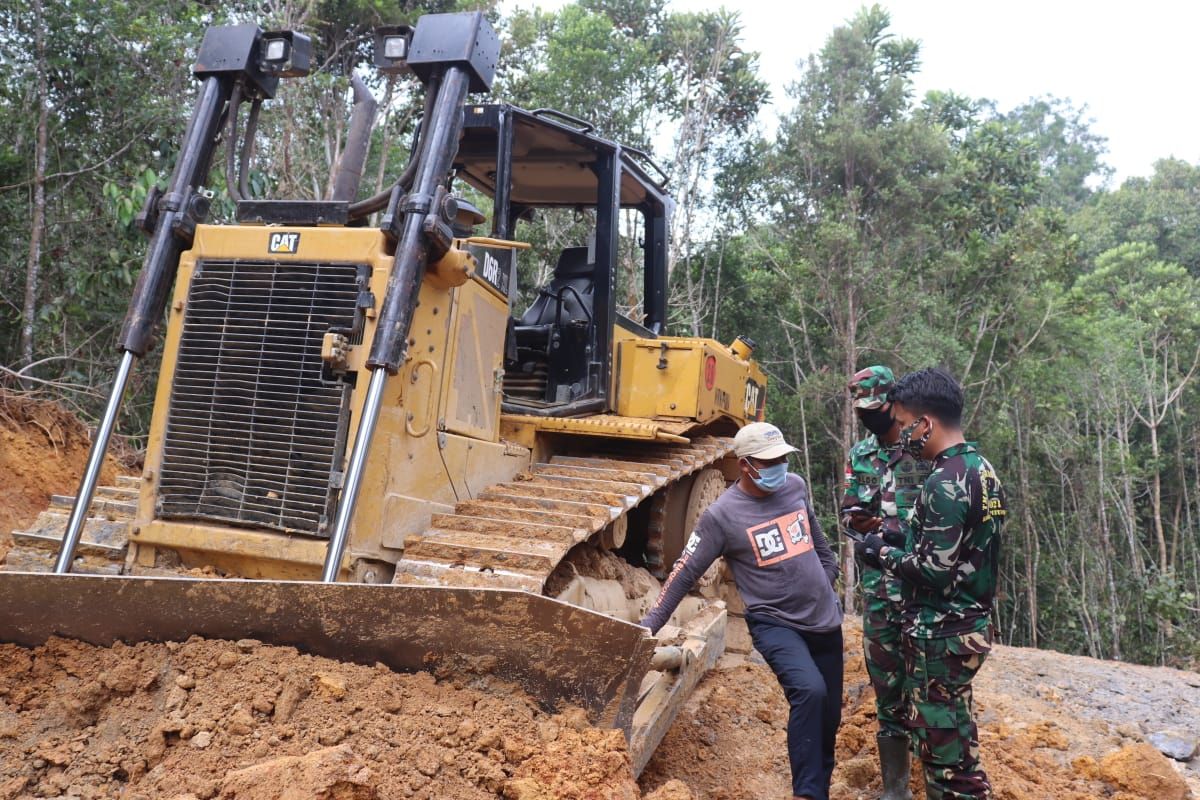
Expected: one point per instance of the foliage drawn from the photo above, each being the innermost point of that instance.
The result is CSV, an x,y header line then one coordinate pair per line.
x,y
873,226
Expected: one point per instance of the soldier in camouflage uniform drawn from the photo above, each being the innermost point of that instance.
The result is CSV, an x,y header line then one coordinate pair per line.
x,y
948,570
882,484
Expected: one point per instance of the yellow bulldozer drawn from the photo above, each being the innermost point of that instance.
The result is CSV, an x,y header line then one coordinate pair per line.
x,y
361,446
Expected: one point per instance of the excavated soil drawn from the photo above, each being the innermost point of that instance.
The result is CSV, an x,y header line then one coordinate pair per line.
x,y
43,450
215,719
730,742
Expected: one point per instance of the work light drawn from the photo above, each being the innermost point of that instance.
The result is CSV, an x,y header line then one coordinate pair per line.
x,y
286,54
391,48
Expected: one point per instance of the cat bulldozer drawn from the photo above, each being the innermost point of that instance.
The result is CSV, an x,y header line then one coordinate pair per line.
x,y
362,444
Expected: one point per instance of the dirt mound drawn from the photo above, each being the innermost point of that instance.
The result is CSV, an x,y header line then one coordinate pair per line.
x,y
43,450
730,742
1139,771
215,719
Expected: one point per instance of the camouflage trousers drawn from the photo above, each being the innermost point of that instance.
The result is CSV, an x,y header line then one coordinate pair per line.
x,y
941,716
885,663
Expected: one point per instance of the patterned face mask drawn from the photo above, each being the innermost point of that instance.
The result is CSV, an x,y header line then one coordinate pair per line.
x,y
914,447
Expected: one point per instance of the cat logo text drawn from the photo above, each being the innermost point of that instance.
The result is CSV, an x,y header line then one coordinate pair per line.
x,y
284,243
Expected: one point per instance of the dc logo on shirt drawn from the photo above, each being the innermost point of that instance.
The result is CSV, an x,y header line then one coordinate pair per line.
x,y
693,542
780,539
769,543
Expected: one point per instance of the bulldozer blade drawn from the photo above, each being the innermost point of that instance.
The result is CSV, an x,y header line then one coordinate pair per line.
x,y
556,652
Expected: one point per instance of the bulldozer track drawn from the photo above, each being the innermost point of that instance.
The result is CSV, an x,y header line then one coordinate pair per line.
x,y
510,535
514,534
105,536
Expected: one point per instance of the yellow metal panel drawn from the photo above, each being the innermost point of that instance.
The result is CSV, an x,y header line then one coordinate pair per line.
x,y
519,429
658,377
404,460
472,384
472,465
698,379
345,245
249,553
412,514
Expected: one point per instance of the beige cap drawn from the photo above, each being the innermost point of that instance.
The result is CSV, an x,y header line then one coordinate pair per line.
x,y
760,440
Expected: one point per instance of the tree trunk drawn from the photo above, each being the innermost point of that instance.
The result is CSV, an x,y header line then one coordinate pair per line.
x,y
37,217
1114,614
850,356
1156,500
1129,518
1027,532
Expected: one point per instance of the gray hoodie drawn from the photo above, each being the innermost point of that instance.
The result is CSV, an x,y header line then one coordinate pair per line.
x,y
780,559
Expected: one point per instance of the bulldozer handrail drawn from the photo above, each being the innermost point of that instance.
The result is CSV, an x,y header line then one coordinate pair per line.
x,y
582,125
644,159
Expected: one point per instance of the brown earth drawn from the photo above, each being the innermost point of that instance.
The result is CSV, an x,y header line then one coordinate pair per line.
x,y
212,719
730,742
209,719
43,451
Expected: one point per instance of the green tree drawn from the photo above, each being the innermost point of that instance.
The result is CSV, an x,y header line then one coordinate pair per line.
x,y
1162,210
86,99
1069,152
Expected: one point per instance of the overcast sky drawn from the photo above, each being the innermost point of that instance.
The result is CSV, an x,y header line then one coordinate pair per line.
x,y
1134,64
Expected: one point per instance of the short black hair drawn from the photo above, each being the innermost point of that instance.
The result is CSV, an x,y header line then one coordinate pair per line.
x,y
932,391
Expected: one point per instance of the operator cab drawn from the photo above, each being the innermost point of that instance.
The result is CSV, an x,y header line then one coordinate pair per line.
x,y
559,350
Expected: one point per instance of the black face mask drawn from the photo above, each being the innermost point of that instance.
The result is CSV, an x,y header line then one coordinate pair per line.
x,y
876,420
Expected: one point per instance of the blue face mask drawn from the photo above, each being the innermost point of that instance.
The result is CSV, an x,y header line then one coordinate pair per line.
x,y
770,478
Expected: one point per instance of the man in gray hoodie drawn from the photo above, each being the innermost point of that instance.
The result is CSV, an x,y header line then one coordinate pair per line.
x,y
765,528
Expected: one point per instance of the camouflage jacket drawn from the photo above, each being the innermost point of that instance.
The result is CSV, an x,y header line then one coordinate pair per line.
x,y
884,481
949,564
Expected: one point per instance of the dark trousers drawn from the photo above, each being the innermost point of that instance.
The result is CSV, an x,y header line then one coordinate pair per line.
x,y
809,668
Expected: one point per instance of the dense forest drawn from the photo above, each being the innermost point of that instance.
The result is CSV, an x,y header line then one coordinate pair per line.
x,y
871,225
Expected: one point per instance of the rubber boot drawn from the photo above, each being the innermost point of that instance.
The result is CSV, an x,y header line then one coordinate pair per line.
x,y
893,763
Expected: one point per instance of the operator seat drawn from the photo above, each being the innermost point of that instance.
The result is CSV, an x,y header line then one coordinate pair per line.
x,y
553,336
573,281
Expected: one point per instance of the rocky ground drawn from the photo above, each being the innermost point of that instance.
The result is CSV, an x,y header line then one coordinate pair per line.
x,y
214,719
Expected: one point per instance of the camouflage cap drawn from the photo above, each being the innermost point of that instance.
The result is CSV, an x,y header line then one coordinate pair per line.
x,y
870,386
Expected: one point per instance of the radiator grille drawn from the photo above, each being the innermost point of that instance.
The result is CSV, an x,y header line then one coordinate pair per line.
x,y
256,422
